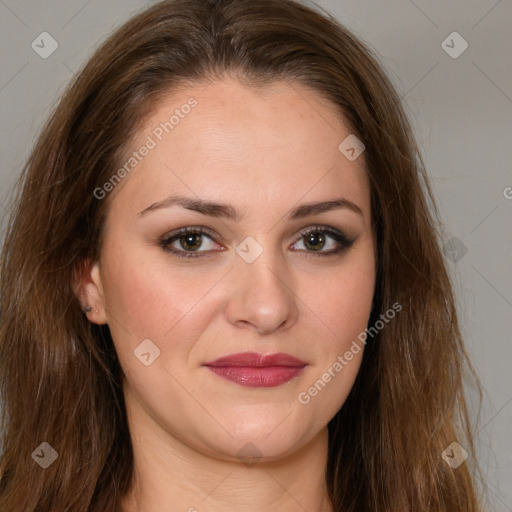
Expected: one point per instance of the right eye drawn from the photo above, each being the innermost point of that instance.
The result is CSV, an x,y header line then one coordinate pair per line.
x,y
185,242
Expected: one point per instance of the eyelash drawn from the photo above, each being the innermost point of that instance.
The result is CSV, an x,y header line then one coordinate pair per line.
x,y
338,236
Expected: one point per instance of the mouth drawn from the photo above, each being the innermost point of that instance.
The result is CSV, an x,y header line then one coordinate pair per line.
x,y
257,370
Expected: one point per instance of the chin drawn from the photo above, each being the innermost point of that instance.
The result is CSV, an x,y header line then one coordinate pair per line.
x,y
267,439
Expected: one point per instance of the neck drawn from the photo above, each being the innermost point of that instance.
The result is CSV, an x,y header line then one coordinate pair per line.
x,y
170,475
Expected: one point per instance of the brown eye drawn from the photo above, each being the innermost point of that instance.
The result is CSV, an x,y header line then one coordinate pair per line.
x,y
191,241
186,242
315,241
318,238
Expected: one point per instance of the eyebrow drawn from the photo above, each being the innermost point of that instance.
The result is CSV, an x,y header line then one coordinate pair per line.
x,y
226,211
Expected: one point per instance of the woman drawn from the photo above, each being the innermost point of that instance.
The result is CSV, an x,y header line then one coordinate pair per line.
x,y
221,283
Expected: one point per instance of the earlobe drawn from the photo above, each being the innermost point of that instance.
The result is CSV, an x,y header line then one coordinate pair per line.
x,y
89,290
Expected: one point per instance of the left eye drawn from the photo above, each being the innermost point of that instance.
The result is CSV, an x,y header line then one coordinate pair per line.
x,y
318,240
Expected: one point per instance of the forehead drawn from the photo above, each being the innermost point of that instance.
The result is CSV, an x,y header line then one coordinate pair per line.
x,y
280,141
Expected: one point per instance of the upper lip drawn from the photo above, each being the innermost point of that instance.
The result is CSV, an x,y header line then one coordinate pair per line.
x,y
257,360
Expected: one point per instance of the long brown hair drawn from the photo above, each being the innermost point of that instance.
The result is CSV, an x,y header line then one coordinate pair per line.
x,y
60,376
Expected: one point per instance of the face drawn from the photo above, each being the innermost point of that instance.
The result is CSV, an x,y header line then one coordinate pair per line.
x,y
259,271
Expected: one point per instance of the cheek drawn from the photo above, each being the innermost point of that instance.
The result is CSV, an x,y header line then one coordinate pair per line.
x,y
148,301
343,305
343,302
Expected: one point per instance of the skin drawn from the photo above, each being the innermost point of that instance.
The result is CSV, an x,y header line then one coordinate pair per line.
x,y
263,152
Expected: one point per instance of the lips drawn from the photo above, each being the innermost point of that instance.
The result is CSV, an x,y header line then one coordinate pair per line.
x,y
255,360
257,370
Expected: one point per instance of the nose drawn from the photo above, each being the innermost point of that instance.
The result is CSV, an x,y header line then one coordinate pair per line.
x,y
262,296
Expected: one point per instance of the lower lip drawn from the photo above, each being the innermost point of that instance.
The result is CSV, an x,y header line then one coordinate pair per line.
x,y
257,377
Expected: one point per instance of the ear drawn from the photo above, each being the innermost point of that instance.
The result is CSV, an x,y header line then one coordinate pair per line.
x,y
88,288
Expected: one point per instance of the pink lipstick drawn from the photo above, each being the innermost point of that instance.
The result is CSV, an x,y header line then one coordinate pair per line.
x,y
257,370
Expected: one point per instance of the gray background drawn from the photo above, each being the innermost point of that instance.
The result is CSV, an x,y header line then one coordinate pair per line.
x,y
461,112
